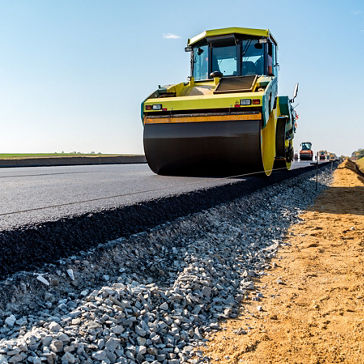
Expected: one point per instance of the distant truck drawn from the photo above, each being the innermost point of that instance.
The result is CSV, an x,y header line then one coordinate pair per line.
x,y
306,152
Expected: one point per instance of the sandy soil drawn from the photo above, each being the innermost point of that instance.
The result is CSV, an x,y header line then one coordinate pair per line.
x,y
360,164
312,310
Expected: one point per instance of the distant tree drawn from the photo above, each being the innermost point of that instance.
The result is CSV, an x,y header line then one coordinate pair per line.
x,y
358,153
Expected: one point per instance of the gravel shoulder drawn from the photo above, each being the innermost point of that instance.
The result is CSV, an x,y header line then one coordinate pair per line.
x,y
310,306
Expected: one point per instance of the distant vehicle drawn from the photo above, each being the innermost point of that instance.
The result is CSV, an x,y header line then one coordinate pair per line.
x,y
322,155
332,157
306,152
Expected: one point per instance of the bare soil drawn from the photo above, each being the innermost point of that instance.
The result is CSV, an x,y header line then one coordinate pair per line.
x,y
360,164
313,305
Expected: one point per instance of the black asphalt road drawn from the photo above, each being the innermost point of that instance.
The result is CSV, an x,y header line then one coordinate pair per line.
x,y
34,195
52,212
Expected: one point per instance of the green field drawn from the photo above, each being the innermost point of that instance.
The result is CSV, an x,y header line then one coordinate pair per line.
x,y
50,155
360,163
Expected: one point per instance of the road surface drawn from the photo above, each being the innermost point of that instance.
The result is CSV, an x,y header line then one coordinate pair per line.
x,y
38,194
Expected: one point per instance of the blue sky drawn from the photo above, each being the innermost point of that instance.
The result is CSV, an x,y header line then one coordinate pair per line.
x,y
73,73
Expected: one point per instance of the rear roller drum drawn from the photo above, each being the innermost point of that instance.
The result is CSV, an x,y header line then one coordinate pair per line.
x,y
284,147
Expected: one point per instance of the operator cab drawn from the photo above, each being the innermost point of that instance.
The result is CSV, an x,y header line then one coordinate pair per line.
x,y
233,55
306,146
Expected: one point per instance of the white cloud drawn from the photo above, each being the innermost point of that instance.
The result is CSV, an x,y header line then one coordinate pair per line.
x,y
171,36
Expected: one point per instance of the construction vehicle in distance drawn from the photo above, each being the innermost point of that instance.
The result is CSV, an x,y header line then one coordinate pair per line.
x,y
228,118
333,157
306,152
322,155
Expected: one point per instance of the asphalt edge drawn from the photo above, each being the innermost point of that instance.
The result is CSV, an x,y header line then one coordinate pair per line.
x,y
71,161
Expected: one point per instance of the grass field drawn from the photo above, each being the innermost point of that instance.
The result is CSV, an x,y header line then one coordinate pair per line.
x,y
360,163
50,155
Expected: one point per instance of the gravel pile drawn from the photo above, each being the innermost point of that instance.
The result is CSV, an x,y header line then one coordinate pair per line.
x,y
151,297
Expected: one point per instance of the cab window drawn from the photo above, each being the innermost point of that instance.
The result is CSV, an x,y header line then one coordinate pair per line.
x,y
224,60
274,58
200,62
252,57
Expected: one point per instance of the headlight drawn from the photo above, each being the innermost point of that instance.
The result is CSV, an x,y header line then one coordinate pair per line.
x,y
245,102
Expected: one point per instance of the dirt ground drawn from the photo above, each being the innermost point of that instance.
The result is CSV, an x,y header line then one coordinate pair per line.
x,y
312,309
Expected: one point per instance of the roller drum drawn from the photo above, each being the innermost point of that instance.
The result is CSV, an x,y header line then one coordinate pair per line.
x,y
204,148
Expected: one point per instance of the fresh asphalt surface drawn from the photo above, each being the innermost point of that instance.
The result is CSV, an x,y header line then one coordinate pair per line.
x,y
39,194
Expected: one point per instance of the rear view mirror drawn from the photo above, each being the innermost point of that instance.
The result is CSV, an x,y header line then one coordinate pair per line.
x,y
200,51
295,92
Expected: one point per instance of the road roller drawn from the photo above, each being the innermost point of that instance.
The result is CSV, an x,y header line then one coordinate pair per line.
x,y
306,152
322,155
227,119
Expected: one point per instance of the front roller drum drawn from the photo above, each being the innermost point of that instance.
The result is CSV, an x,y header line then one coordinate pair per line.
x,y
219,148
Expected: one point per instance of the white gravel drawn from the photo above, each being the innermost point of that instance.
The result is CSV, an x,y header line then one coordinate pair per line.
x,y
150,298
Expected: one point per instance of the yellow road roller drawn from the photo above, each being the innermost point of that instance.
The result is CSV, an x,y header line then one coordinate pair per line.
x,y
227,119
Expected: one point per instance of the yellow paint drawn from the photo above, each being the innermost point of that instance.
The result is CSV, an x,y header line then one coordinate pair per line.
x,y
183,90
202,102
201,119
290,144
286,142
268,143
278,108
233,30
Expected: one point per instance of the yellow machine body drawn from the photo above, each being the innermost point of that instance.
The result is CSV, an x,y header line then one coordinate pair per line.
x,y
228,118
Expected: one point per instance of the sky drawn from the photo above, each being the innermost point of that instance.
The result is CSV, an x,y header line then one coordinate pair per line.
x,y
74,72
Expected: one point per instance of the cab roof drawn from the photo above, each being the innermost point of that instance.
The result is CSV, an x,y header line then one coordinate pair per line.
x,y
264,33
